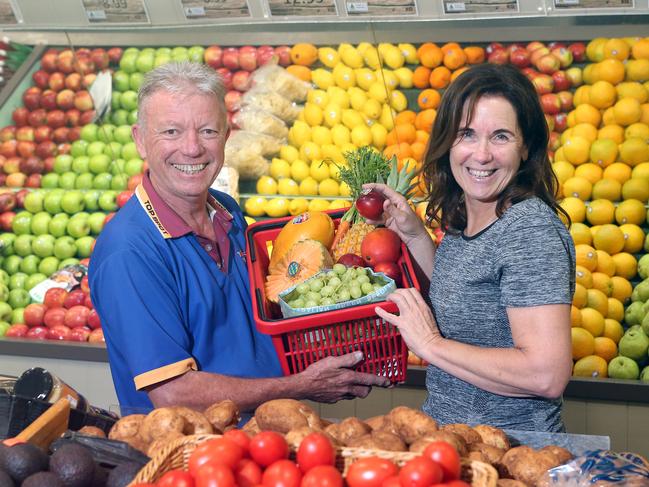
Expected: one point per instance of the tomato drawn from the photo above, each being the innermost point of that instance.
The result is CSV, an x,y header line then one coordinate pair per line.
x,y
446,456
176,478
420,472
315,449
370,205
214,475
268,447
144,484
219,450
391,482
380,245
457,483
322,476
282,473
240,437
370,472
247,473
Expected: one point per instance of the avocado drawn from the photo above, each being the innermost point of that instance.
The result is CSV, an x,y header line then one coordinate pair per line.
x,y
5,480
123,474
99,477
43,479
73,464
23,460
3,450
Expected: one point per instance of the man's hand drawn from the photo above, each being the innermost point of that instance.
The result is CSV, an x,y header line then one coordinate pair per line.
x,y
331,379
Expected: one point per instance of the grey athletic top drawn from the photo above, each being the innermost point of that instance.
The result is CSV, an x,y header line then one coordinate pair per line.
x,y
526,258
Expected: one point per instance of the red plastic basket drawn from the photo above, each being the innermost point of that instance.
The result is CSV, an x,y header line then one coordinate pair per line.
x,y
302,340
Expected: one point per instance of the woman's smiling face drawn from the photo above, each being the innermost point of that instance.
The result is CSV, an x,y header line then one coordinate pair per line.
x,y
488,150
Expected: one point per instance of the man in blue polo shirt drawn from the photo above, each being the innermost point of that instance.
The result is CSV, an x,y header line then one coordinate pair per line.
x,y
168,274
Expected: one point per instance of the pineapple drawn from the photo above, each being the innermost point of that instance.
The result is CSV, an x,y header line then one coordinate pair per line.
x,y
351,241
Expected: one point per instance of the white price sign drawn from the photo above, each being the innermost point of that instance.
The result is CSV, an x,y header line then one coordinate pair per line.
x,y
593,4
115,11
214,9
302,8
382,7
479,6
8,14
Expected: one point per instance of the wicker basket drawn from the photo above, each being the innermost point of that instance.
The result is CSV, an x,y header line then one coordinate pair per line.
x,y
176,455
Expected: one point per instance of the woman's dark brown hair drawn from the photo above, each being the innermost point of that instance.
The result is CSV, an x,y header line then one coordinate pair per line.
x,y
535,176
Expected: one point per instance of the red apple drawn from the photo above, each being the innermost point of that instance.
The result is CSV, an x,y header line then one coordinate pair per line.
x,y
7,133
543,84
34,313
37,333
114,54
88,301
548,64
32,97
560,122
25,133
77,316
84,286
212,56
534,45
96,336
20,197
58,332
48,61
241,81
19,116
18,330
60,134
33,164
49,164
555,44
73,81
74,133
54,317
80,334
283,54
520,58
74,298
265,54
87,117
7,201
123,197
232,100
65,61
56,81
134,181
48,100
230,58
36,118
33,180
12,164
564,55
538,54
45,149
42,133
16,180
498,56
561,81
54,297
64,147
550,103
26,148
226,77
93,320
88,80
83,65
100,58
493,47
248,58
6,220
381,245
554,141
575,75
578,50
516,46
351,260
8,148
83,101
390,269
566,99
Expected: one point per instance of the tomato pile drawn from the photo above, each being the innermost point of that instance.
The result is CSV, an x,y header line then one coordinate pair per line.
x,y
237,460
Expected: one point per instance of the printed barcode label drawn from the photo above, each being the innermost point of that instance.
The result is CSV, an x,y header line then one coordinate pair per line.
x,y
357,7
194,12
96,14
455,7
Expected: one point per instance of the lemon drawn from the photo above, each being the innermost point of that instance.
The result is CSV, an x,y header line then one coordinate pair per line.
x,y
334,172
312,114
328,187
371,57
299,170
378,91
287,187
309,187
362,47
351,57
340,135
332,115
318,97
328,56
388,78
344,76
387,117
318,205
299,133
393,57
404,75
409,53
322,78
357,98
343,47
321,135
298,206
373,109
379,135
280,168
310,151
332,152
364,78
361,136
277,207
319,170
255,206
288,153
351,118
338,96
266,185
398,101
250,220
338,204
348,147
344,189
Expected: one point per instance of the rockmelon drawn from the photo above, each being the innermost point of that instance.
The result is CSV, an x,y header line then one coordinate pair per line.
x,y
314,225
303,260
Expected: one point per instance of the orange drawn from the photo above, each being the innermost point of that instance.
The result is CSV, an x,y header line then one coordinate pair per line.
x,y
585,130
578,187
633,238
614,132
626,266
405,133
627,111
630,211
425,119
454,58
304,54
615,310
602,282
575,207
575,316
605,264
605,348
608,189
598,301
588,114
583,276
406,116
613,329
616,49
428,98
458,72
592,366
300,72
430,55
420,77
583,343
602,94
611,70
592,319
640,49
401,150
422,136
618,171
440,77
418,150
600,212
609,238
474,54
450,46
580,234
586,256
590,171
637,189
622,288
580,296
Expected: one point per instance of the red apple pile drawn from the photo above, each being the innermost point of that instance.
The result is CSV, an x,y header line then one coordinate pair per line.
x,y
68,316
53,112
235,64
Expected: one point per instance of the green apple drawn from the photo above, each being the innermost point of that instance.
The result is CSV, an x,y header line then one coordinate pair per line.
x,y
58,224
148,51
34,279
72,202
84,246
136,79
18,298
34,201
4,326
23,244
67,180
64,247
623,368
17,315
43,245
132,117
129,100
68,261
144,63
4,277
127,63
41,222
29,265
634,344
96,222
84,181
114,100
644,375
134,166
129,51
78,227
52,202
119,116
120,81
22,223
179,53
17,280
163,51
129,151
99,163
113,150
107,201
89,132
90,198
11,264
48,265
102,180
105,132
196,54
62,163
119,182
50,180
80,146
5,310
96,147
7,243
123,134
117,167
80,164
161,59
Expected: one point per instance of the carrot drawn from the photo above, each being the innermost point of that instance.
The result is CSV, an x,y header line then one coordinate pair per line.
x,y
343,228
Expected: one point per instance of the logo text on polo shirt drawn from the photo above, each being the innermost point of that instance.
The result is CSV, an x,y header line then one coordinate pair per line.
x,y
143,197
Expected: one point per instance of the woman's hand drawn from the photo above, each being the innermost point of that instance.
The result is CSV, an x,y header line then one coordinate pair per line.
x,y
415,321
397,214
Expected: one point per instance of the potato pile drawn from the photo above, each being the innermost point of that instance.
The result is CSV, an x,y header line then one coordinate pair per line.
x,y
150,432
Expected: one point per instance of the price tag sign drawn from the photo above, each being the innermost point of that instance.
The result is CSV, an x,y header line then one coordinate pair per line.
x,y
593,4
7,13
214,9
116,11
381,7
302,8
480,6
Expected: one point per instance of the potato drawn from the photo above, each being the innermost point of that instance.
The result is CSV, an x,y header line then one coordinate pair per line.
x,y
375,422
127,427
379,440
156,446
530,467
449,437
411,424
195,423
138,443
295,437
161,422
251,427
222,415
348,429
492,436
510,457
509,483
478,456
490,452
92,431
283,415
561,454
464,430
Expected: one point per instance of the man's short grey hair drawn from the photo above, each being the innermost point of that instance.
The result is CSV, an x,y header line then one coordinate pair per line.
x,y
183,77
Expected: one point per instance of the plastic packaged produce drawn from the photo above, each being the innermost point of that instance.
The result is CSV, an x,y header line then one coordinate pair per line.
x,y
245,152
260,121
272,77
227,181
264,98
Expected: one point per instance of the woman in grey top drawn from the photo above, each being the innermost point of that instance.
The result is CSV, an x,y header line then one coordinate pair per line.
x,y
497,331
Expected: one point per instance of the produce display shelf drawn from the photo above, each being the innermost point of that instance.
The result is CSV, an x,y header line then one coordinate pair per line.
x,y
578,387
54,350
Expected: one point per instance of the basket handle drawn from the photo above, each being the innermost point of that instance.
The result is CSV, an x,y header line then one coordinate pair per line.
x,y
250,233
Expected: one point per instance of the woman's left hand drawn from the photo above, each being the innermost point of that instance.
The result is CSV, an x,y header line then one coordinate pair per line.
x,y
415,320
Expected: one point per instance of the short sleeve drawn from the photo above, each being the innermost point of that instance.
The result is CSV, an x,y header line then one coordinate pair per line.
x,y
141,317
536,265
